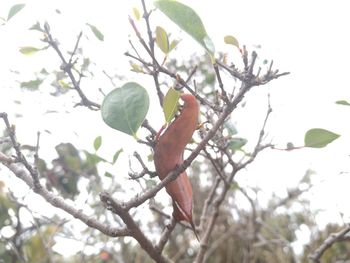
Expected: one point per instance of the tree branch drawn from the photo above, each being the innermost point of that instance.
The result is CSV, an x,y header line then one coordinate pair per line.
x,y
67,67
31,177
61,204
136,232
333,238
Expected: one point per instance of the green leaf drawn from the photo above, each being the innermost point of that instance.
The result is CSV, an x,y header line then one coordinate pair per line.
x,y
136,13
136,68
173,44
63,84
86,64
236,143
29,50
43,71
125,108
31,84
319,138
96,32
231,41
150,183
343,102
230,128
14,10
188,20
150,158
37,27
93,159
171,104
107,174
162,39
116,155
97,143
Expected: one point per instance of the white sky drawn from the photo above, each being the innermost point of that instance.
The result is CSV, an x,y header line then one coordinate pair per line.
x,y
308,38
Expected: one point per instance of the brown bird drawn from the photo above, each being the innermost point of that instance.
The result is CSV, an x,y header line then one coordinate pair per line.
x,y
168,154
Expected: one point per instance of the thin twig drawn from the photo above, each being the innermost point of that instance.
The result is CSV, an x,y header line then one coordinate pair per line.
x,y
75,48
207,202
215,166
147,126
36,155
144,171
20,157
183,83
221,85
67,67
212,220
166,235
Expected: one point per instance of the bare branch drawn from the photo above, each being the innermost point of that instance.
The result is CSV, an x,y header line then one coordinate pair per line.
x,y
60,203
166,235
31,178
67,67
258,146
145,170
333,238
212,220
136,232
218,171
207,202
221,85
20,157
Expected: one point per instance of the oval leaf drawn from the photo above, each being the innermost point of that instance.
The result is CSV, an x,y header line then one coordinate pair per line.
x,y
96,32
125,108
188,20
14,10
231,128
136,68
162,39
231,41
173,44
31,84
116,155
97,143
236,143
107,174
343,102
318,138
171,104
136,13
29,50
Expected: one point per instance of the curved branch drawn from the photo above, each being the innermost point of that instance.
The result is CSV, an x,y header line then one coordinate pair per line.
x,y
333,238
60,203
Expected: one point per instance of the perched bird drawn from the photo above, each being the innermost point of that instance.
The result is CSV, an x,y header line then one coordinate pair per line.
x,y
168,154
